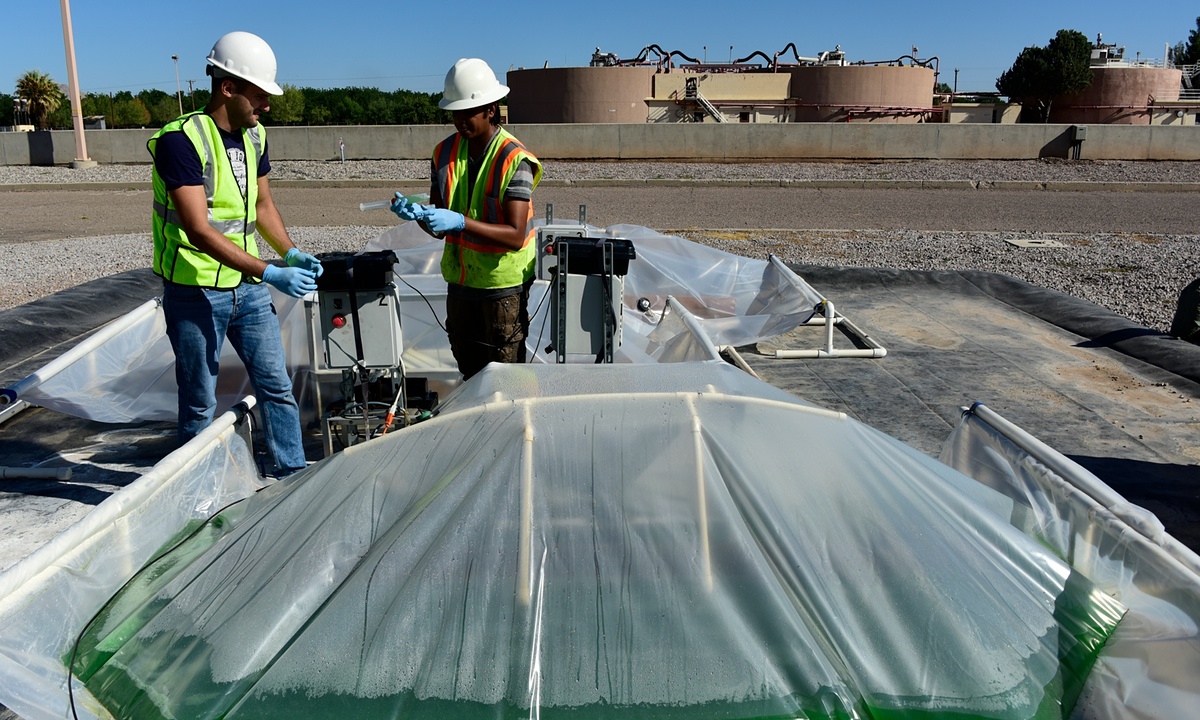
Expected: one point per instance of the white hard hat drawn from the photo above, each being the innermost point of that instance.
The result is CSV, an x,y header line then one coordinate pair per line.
x,y
471,84
247,56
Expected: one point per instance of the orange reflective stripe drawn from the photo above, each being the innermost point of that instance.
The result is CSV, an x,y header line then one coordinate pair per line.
x,y
445,157
508,152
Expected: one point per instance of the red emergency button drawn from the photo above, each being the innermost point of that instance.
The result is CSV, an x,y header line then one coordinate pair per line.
x,y
339,321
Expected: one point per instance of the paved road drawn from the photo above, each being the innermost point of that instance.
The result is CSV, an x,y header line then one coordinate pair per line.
x,y
58,214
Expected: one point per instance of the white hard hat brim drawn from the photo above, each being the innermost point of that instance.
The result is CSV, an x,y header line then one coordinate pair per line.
x,y
270,86
498,93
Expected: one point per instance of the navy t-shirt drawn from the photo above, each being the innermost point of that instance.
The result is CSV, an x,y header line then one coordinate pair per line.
x,y
178,164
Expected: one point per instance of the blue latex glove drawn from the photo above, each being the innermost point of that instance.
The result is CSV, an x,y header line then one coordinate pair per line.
x,y
440,220
406,209
294,281
295,258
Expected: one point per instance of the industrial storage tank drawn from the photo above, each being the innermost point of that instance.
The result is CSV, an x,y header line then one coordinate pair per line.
x,y
1121,95
669,86
579,94
862,93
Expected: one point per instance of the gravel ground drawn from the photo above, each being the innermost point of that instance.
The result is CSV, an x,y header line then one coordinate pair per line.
x,y
1028,170
1136,275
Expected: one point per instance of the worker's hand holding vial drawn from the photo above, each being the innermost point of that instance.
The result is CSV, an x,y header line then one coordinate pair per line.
x,y
406,209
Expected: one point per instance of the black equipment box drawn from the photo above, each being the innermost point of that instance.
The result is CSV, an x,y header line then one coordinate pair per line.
x,y
585,256
344,272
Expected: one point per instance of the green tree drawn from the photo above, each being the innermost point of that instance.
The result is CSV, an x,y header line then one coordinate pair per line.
x,y
93,104
1040,75
200,98
1189,53
288,108
162,106
60,119
43,95
128,111
7,118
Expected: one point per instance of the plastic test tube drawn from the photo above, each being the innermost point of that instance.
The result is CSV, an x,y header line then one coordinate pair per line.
x,y
385,204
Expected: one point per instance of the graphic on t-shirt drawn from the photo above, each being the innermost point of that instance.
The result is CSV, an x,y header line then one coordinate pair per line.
x,y
237,161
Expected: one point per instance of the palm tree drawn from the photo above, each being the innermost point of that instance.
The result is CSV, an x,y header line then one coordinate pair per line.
x,y
42,93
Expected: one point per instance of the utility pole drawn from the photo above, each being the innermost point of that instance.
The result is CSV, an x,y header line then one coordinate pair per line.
x,y
81,157
956,80
192,94
178,89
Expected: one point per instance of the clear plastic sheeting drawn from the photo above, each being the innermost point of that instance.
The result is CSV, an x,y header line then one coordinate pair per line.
x,y
731,299
1151,666
48,598
611,541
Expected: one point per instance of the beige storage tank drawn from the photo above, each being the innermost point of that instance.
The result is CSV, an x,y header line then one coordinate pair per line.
x,y
579,95
862,93
1119,95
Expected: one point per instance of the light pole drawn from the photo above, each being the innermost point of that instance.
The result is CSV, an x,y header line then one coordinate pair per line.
x,y
81,157
178,89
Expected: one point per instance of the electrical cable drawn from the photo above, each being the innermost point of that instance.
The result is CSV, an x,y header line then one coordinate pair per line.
x,y
429,304
537,346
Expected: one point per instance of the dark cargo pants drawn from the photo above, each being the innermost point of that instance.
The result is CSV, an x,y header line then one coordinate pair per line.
x,y
484,331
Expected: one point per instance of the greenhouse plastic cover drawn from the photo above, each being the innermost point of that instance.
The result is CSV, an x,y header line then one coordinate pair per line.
x,y
638,540
594,542
735,300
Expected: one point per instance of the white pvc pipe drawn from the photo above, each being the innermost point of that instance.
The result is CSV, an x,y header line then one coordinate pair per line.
x,y
830,319
11,394
738,360
23,473
7,412
1084,481
524,549
693,326
78,539
701,495
597,398
829,323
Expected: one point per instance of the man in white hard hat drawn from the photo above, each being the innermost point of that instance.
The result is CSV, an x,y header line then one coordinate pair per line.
x,y
210,199
480,196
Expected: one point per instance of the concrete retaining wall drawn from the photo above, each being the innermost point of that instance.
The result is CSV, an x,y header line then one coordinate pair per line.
x,y
705,141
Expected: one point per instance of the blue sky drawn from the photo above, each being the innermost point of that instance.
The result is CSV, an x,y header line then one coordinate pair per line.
x,y
128,44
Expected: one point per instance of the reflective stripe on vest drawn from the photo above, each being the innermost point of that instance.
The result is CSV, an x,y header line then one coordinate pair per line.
x,y
229,212
465,260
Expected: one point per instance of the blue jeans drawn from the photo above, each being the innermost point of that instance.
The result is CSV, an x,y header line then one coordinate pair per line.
x,y
198,322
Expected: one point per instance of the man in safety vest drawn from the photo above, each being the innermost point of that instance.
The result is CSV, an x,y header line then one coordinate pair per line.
x,y
480,196
210,198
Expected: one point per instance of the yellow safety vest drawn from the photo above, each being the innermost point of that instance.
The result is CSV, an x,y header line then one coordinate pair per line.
x,y
229,213
466,259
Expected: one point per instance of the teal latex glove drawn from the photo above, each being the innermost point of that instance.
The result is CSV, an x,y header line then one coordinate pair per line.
x,y
295,258
294,281
440,220
406,209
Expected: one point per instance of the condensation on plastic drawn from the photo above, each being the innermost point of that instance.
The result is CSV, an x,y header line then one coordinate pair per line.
x,y
734,300
1151,666
609,541
47,598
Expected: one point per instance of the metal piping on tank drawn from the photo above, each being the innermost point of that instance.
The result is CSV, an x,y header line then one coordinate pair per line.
x,y
663,63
